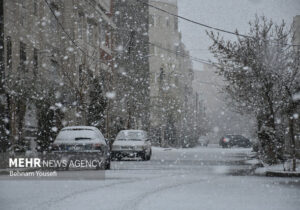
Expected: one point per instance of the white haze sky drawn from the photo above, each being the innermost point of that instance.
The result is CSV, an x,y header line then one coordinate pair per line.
x,y
228,15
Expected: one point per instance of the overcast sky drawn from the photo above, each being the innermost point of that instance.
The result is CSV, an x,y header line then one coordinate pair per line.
x,y
229,15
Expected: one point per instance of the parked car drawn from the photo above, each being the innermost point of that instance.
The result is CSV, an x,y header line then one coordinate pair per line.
x,y
4,145
255,145
203,141
234,140
17,149
82,142
132,143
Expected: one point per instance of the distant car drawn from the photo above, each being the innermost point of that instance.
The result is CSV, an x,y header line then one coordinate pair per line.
x,y
234,140
132,143
203,141
4,145
82,142
16,149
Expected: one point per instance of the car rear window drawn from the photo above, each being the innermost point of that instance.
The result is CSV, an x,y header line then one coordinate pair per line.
x,y
131,136
76,135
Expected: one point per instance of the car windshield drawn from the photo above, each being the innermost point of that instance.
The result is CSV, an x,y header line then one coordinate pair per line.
x,y
130,136
76,135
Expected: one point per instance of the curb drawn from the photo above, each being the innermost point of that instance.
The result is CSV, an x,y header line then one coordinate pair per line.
x,y
282,174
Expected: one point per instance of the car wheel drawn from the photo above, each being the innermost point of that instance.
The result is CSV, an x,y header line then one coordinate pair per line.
x,y
68,165
144,156
107,165
98,167
149,156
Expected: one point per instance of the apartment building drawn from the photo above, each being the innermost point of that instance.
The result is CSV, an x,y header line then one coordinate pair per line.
x,y
170,72
52,49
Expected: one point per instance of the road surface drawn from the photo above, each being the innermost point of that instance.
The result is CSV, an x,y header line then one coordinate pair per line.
x,y
189,179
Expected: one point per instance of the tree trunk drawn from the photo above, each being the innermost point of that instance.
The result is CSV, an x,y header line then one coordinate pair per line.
x,y
267,138
292,141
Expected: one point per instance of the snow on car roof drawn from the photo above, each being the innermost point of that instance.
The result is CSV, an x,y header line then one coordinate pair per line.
x,y
133,131
80,128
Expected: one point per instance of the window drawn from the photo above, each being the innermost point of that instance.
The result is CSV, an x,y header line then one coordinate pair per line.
x,y
53,19
151,20
177,48
35,61
8,52
80,25
23,56
158,20
155,50
176,81
175,24
102,34
23,13
161,75
54,71
90,33
108,39
167,21
80,75
151,49
35,7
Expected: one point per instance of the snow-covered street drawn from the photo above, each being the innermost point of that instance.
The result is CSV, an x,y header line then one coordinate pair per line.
x,y
199,178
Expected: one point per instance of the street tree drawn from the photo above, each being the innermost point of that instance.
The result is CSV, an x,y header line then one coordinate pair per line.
x,y
257,70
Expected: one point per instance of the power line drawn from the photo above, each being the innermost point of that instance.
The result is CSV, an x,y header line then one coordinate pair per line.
x,y
205,25
184,55
93,58
196,59
69,36
193,21
169,50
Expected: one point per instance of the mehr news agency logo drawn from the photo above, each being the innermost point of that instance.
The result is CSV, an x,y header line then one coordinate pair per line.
x,y
37,163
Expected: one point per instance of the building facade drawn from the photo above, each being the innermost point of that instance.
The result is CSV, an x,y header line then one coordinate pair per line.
x,y
51,51
296,25
170,74
132,64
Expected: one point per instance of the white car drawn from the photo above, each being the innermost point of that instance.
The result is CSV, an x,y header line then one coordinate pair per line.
x,y
82,142
132,143
203,141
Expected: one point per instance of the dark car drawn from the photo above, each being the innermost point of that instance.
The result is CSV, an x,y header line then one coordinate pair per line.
x,y
81,143
234,140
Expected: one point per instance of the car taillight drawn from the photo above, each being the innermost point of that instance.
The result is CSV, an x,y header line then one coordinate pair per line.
x,y
97,146
225,140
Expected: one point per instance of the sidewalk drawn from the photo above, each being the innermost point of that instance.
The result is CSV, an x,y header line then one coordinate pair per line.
x,y
261,169
277,171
